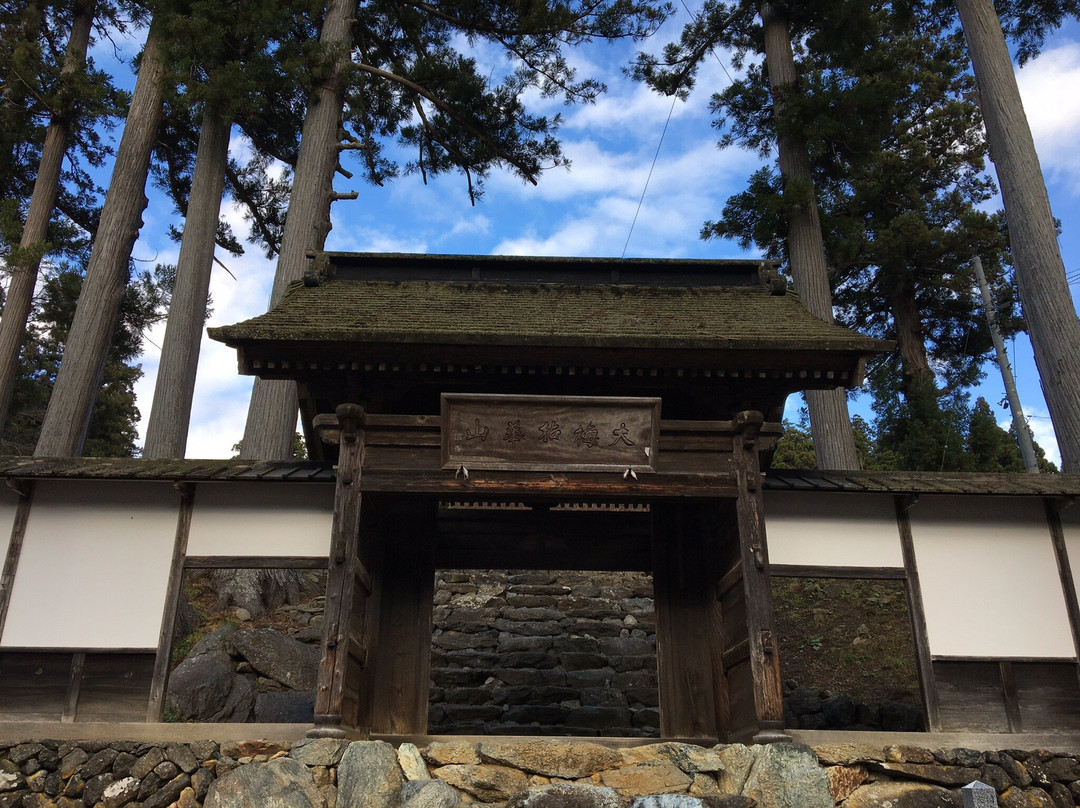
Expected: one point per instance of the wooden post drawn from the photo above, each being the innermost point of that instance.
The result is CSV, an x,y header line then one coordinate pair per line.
x,y
25,490
757,586
347,588
155,709
923,660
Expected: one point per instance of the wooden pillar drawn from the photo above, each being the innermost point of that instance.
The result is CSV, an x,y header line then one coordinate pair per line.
x,y
761,650
692,690
338,696
25,489
923,660
159,683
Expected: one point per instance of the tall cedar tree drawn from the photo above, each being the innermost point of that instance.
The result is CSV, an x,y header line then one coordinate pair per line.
x,y
224,64
733,25
400,75
52,105
1040,273
63,431
897,158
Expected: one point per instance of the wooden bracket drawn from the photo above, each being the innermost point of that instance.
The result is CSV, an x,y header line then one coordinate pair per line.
x,y
351,420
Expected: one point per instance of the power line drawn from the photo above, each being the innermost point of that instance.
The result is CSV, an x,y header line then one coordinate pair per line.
x,y
646,188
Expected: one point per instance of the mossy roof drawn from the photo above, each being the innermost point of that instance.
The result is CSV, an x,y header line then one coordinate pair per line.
x,y
590,315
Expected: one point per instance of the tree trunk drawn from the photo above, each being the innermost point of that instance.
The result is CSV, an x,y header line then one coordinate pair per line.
x,y
910,339
24,271
1040,273
271,421
830,424
170,414
63,431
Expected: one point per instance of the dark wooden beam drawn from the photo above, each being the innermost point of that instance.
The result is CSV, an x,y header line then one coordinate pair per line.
x,y
255,562
159,683
1061,554
768,692
25,490
71,698
331,718
923,660
857,573
1009,694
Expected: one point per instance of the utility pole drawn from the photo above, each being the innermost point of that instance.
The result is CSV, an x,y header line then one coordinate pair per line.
x,y
1020,427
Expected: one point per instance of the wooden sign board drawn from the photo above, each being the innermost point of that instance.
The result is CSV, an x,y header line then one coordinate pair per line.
x,y
549,433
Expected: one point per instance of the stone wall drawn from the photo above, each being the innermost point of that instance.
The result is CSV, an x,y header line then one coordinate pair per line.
x,y
543,653
329,773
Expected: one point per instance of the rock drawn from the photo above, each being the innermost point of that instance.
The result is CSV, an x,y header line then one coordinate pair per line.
x,y
251,748
187,799
182,756
787,775
120,792
319,751
411,762
147,763
668,801
570,761
71,762
100,762
95,787
276,656
9,781
369,777
428,794
971,758
1061,796
691,759
1026,798
1063,769
703,785
738,760
170,793
887,794
204,687
995,776
843,780
1016,770
486,782
844,754
803,700
291,707
281,783
902,753
166,770
645,778
200,781
931,773
566,795
898,717
444,753
839,712
24,751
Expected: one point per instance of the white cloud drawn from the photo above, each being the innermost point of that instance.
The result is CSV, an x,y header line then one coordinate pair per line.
x,y
1048,86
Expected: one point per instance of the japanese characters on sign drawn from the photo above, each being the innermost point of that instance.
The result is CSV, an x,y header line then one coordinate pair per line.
x,y
549,433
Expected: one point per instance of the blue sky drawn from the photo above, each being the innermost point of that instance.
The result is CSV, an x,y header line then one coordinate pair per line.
x,y
586,211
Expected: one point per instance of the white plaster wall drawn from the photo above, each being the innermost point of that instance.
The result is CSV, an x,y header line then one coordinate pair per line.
x,y
832,530
261,519
9,504
990,582
94,566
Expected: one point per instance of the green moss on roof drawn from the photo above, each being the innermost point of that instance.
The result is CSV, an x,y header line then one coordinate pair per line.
x,y
351,311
